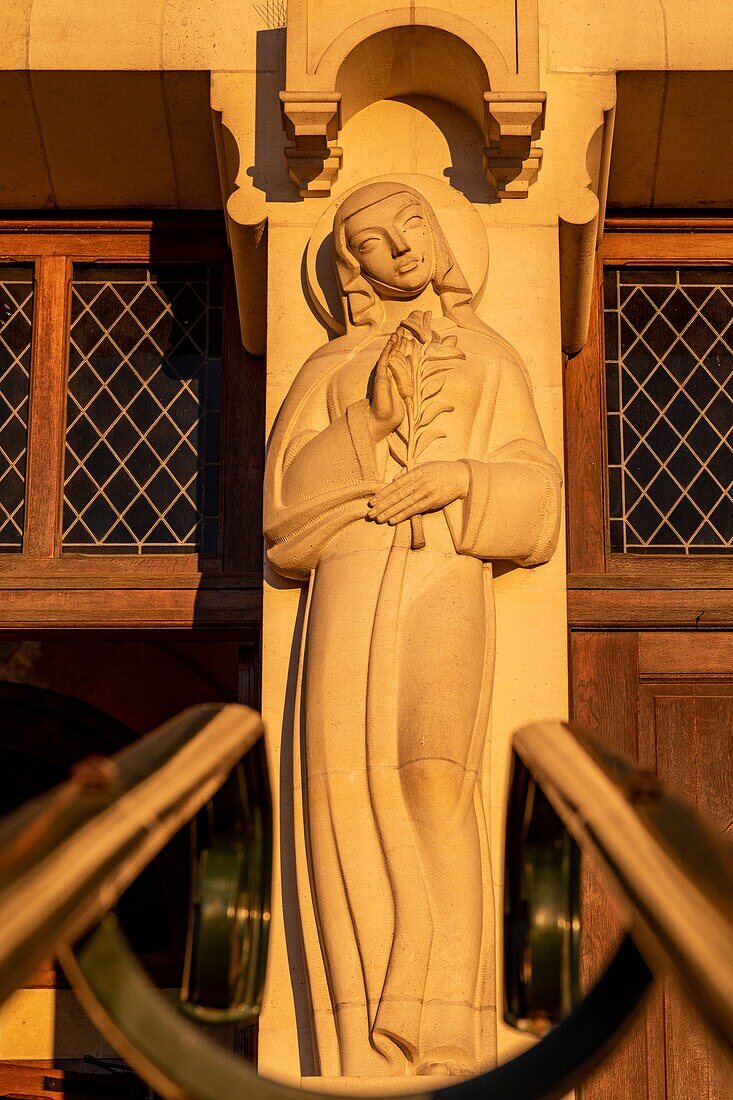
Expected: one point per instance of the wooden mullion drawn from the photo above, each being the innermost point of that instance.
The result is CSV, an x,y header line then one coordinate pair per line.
x,y
124,246
685,569
163,222
47,408
634,609
668,221
141,608
584,435
604,689
107,247
688,573
656,248
243,450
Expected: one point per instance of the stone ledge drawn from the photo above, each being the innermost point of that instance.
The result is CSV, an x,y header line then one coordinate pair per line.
x,y
376,1086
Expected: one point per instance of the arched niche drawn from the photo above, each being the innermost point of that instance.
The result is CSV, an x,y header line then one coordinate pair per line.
x,y
414,60
435,54
421,18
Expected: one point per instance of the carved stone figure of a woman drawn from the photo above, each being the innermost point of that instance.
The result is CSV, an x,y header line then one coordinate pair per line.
x,y
406,458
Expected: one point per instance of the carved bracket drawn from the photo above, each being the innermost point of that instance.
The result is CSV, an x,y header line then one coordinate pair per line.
x,y
370,52
514,122
512,159
311,121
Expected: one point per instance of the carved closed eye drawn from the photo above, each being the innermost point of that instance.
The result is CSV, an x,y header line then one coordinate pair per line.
x,y
414,221
368,244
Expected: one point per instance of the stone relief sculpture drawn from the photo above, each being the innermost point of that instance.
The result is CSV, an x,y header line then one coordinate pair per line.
x,y
407,457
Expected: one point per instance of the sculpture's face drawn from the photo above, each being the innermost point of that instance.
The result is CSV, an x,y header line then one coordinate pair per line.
x,y
392,242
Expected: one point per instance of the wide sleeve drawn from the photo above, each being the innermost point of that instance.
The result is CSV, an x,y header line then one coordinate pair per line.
x,y
513,507
317,480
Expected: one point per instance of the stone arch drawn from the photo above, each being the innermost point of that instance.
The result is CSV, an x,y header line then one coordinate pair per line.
x,y
413,60
393,54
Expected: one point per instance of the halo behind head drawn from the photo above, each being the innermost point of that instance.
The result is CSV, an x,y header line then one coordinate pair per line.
x,y
369,195
349,295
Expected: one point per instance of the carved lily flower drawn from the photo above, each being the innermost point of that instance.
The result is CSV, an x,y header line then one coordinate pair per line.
x,y
419,325
447,348
418,361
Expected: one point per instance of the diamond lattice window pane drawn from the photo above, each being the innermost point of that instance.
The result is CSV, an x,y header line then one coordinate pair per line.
x,y
669,402
143,416
16,321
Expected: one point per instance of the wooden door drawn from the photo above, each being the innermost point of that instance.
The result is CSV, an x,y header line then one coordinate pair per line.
x,y
648,409
664,699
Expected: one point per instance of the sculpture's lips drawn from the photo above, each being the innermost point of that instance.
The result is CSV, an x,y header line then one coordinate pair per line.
x,y
409,266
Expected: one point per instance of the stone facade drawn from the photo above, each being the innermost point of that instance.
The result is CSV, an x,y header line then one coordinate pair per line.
x,y
502,115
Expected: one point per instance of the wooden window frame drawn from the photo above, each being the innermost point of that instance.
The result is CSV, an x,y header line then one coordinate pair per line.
x,y
122,589
591,564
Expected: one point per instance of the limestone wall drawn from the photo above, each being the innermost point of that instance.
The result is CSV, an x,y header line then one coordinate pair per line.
x,y
579,45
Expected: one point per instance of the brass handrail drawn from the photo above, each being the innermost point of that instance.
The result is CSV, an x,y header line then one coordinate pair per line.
x,y
67,857
672,877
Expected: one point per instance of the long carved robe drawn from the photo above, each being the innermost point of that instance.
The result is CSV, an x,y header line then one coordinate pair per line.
x,y
397,661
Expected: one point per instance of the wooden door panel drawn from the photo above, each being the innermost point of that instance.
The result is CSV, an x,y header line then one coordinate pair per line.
x,y
686,731
693,1062
604,669
666,701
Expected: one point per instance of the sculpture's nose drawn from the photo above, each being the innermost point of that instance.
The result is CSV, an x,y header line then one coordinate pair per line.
x,y
398,243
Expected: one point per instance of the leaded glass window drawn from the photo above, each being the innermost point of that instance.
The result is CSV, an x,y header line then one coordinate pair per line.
x,y
143,416
16,320
669,408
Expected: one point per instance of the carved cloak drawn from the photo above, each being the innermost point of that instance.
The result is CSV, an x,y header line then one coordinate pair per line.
x,y
365,906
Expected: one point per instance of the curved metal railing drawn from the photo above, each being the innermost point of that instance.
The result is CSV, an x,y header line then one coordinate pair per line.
x,y
670,875
73,852
66,857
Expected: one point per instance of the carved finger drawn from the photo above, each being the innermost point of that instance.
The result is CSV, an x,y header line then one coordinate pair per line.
x,y
407,478
414,508
381,515
382,396
399,489
382,377
397,507
383,361
400,372
405,340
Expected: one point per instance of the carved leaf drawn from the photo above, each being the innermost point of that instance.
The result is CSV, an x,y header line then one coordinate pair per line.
x,y
427,439
432,389
430,414
438,368
444,351
397,450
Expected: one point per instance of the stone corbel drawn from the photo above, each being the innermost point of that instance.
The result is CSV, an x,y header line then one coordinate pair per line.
x,y
232,103
580,228
311,121
514,122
